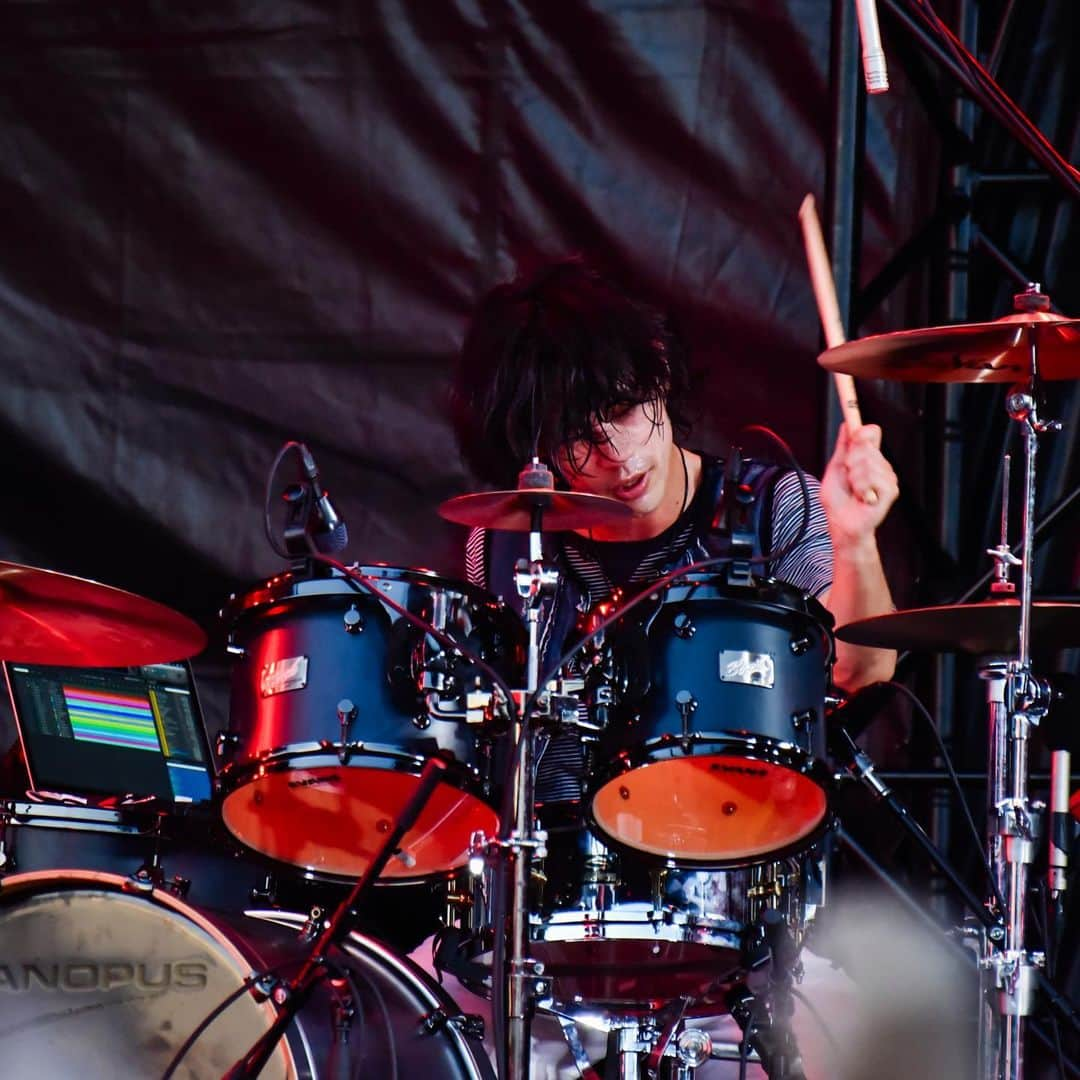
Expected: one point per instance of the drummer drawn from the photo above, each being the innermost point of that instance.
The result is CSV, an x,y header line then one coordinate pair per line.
x,y
564,364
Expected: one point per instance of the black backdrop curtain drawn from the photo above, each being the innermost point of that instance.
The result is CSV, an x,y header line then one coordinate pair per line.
x,y
226,225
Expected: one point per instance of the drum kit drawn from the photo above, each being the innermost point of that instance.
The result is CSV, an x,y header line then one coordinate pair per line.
x,y
385,729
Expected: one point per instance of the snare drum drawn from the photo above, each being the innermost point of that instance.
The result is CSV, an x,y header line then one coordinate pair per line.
x,y
338,702
713,750
98,981
615,932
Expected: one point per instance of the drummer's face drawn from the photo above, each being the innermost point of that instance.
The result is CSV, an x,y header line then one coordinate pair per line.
x,y
631,460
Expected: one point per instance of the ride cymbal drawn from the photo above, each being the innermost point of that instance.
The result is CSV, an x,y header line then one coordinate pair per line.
x,y
52,618
988,628
512,511
998,351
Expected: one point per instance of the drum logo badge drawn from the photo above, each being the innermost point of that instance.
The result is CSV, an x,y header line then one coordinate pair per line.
x,y
748,668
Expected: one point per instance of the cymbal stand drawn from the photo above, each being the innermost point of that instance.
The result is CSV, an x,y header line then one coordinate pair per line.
x,y
1016,702
534,581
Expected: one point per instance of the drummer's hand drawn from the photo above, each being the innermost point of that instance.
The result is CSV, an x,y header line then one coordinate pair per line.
x,y
857,469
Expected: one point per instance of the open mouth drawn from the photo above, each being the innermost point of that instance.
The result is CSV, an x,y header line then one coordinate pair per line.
x,y
632,488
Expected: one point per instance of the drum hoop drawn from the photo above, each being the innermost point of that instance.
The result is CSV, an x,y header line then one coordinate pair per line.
x,y
372,755
690,588
786,755
797,847
235,776
287,587
752,747
430,992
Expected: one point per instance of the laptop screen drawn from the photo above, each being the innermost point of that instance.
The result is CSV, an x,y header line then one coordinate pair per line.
x,y
112,731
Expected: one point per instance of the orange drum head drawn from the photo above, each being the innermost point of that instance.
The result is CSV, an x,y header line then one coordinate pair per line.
x,y
709,808
333,820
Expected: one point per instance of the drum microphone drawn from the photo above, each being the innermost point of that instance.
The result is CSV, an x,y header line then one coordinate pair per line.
x,y
1058,731
873,56
332,534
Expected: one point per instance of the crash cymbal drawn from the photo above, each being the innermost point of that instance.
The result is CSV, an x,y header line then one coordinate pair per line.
x,y
511,511
51,618
998,351
987,628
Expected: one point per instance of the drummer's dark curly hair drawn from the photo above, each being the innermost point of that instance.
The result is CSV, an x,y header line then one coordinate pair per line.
x,y
549,356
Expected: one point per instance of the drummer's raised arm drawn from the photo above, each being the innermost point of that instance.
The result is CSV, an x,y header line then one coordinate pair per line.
x,y
859,588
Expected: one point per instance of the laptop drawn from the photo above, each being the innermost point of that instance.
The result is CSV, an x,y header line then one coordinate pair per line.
x,y
122,732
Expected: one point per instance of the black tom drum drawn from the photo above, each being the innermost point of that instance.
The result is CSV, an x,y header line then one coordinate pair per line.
x,y
337,703
712,754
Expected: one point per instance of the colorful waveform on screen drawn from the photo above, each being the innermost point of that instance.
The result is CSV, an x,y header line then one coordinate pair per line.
x,y
105,716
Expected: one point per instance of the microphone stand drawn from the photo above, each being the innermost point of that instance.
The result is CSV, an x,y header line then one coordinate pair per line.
x,y
534,580
861,767
290,997
768,1029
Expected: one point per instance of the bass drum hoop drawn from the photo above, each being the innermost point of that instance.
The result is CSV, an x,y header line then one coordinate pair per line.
x,y
429,992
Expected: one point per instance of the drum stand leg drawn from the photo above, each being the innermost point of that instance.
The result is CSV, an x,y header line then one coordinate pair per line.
x,y
534,580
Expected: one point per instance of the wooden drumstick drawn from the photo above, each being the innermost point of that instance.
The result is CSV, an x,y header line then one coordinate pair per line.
x,y
821,277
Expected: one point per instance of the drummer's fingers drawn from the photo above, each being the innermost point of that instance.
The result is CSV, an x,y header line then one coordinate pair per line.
x,y
868,437
874,474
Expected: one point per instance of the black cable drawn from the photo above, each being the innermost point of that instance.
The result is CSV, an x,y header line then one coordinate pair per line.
x,y
922,711
362,582
819,1020
207,1020
1070,1067
1043,923
381,1002
744,1046
268,498
804,488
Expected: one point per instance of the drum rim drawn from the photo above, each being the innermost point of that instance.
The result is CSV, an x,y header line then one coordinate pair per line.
x,y
640,755
380,756
804,843
290,586
430,991
239,774
784,598
771,752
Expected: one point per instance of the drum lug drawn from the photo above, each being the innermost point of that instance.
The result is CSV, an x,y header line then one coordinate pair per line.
x,y
683,626
800,645
687,705
353,621
346,714
804,720
226,742
266,893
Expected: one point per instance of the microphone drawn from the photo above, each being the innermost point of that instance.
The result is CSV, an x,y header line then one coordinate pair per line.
x,y
873,56
1058,730
332,534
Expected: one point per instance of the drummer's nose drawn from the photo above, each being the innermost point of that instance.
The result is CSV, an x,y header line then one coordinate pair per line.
x,y
616,447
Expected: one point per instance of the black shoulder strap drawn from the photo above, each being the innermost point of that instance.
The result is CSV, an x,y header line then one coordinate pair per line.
x,y
741,511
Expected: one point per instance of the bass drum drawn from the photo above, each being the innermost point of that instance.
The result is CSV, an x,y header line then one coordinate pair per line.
x,y
337,703
99,982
